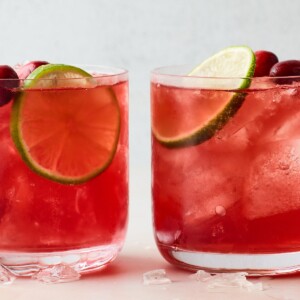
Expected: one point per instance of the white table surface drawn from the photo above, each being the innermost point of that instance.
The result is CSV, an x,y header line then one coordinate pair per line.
x,y
123,279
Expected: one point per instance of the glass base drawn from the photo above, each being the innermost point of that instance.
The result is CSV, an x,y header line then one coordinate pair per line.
x,y
253,264
59,266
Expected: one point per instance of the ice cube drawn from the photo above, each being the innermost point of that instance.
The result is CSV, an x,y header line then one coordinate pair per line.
x,y
210,189
279,107
290,128
57,274
262,113
156,277
227,280
201,275
202,182
255,106
233,280
272,185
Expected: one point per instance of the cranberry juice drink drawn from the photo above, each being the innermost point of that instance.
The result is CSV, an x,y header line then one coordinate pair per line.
x,y
63,172
226,172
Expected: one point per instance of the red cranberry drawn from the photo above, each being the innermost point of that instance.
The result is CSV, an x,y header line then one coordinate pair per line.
x,y
286,68
8,80
264,62
8,77
26,69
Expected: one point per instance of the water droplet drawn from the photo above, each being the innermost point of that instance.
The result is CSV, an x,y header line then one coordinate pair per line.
x,y
220,210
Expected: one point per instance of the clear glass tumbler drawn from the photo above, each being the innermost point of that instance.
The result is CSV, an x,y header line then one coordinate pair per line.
x,y
64,173
226,172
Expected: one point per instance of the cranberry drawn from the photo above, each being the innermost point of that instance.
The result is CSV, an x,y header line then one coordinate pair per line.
x,y
8,77
8,80
264,62
286,68
26,69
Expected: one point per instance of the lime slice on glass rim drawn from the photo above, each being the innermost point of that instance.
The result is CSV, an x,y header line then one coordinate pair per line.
x,y
63,129
228,70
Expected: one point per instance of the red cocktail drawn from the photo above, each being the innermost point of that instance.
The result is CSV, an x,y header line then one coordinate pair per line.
x,y
226,197
63,172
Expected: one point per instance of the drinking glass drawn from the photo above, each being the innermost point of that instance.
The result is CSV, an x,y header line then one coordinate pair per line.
x,y
226,172
56,227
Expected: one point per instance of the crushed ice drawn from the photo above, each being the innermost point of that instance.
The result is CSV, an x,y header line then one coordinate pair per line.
x,y
156,277
212,281
6,277
227,280
57,274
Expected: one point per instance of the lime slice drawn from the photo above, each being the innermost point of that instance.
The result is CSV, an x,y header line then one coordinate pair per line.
x,y
177,123
58,76
68,135
235,64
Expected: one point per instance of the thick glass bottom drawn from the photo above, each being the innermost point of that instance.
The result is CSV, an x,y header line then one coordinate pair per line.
x,y
59,266
253,264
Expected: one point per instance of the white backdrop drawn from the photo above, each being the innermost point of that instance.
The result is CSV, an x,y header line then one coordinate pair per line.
x,y
139,36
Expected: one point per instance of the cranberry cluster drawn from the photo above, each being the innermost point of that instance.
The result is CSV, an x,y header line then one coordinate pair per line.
x,y
267,64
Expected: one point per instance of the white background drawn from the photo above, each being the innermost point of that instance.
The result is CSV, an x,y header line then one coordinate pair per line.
x,y
139,36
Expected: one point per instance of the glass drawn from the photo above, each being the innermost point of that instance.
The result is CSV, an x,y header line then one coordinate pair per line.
x,y
228,200
72,227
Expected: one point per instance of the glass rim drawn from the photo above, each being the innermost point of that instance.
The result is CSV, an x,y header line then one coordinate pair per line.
x,y
108,72
159,72
118,70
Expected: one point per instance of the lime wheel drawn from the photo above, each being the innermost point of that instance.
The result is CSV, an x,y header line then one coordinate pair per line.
x,y
64,129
